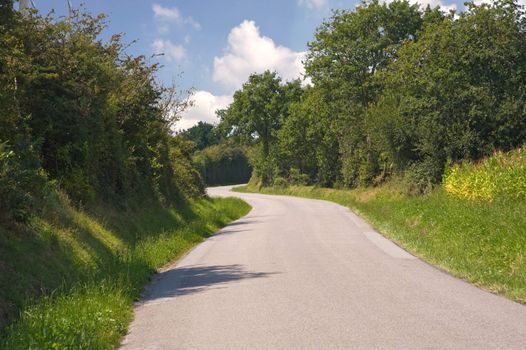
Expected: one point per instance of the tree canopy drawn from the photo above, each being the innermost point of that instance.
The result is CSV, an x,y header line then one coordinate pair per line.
x,y
397,89
258,111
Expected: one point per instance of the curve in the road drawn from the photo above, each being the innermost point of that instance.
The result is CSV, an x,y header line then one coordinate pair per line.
x,y
307,274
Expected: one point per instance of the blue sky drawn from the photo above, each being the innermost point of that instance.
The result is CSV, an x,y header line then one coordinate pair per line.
x,y
211,46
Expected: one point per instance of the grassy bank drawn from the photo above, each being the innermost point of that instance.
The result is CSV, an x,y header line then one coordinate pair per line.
x,y
74,275
483,242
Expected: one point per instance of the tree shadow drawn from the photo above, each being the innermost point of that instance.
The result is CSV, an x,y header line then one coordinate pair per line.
x,y
196,279
229,231
241,222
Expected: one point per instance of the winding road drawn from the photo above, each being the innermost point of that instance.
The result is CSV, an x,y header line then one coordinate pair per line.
x,y
308,274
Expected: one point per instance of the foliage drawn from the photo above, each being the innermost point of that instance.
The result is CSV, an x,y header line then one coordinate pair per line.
x,y
258,111
223,164
455,93
307,141
100,120
501,176
202,134
398,91
21,183
348,53
95,191
190,183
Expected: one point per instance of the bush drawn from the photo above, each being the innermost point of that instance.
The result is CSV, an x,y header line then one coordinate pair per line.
x,y
297,178
280,182
21,182
502,175
422,177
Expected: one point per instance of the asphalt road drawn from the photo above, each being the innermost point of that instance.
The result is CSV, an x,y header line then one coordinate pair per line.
x,y
307,274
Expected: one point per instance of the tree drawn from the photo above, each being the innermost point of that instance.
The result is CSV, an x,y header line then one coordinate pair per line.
x,y
258,111
307,140
457,93
344,60
202,134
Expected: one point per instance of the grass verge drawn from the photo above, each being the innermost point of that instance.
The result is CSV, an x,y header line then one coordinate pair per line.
x,y
481,242
73,276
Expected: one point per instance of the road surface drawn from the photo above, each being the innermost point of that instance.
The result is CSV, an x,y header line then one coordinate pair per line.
x,y
307,274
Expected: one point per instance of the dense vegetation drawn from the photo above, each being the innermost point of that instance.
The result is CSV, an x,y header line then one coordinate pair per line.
x,y
396,90
221,161
96,192
223,164
84,114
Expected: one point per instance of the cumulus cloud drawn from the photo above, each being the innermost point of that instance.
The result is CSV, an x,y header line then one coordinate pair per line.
x,y
172,14
171,51
205,105
313,4
249,52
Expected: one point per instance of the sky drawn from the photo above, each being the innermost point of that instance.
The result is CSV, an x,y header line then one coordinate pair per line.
x,y
212,46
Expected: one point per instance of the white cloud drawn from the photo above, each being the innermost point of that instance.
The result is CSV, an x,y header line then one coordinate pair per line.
x,y
171,51
433,4
205,105
249,52
313,4
165,13
480,2
172,14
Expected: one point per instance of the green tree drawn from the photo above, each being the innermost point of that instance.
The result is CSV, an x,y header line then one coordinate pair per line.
x,y
344,59
258,111
307,140
456,93
203,134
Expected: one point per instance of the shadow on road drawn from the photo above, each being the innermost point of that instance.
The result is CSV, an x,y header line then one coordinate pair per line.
x,y
235,227
196,279
241,222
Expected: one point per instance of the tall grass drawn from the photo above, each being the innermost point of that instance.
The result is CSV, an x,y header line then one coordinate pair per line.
x,y
74,275
501,176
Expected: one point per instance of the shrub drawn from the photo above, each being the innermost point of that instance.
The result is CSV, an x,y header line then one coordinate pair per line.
x,y
21,182
422,177
298,178
280,182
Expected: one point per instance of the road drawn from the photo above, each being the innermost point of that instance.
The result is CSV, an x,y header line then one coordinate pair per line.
x,y
307,274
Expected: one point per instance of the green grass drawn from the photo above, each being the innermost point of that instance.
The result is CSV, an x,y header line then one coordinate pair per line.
x,y
479,241
68,280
